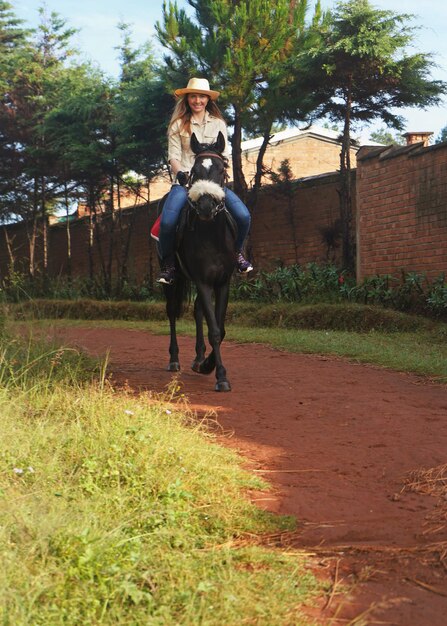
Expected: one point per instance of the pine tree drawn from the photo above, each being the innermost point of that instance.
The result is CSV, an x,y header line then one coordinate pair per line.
x,y
241,47
31,90
13,38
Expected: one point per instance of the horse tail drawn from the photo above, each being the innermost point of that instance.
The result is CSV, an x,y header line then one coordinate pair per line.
x,y
177,295
183,294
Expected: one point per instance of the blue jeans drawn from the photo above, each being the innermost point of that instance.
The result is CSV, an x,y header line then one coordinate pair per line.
x,y
171,212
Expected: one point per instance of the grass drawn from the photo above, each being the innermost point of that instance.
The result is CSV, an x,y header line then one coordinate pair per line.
x,y
117,509
422,351
364,333
418,352
122,509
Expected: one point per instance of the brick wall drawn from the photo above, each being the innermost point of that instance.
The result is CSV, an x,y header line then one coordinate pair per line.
x,y
401,196
88,260
402,210
285,230
135,224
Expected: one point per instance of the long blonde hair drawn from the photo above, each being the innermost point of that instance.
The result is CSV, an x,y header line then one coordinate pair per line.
x,y
182,112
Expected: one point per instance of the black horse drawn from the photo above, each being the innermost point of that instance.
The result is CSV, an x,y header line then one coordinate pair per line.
x,y
206,255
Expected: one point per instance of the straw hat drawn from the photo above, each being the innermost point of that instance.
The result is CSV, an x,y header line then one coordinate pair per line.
x,y
198,85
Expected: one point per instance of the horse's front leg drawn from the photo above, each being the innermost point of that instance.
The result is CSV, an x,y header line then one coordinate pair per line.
x,y
200,339
222,296
174,363
214,337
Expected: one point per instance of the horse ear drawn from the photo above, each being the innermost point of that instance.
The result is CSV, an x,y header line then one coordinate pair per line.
x,y
220,142
194,143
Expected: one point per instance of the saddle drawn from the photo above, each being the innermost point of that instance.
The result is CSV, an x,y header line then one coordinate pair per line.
x,y
155,230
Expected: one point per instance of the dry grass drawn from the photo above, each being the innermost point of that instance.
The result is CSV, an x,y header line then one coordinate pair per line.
x,y
432,482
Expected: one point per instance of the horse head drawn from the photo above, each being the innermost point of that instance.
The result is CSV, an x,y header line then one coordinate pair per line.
x,y
209,164
206,194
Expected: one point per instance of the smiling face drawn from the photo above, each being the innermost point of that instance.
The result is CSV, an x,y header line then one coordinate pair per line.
x,y
197,102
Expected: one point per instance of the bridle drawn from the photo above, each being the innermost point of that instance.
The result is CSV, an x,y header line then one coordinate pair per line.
x,y
214,155
219,207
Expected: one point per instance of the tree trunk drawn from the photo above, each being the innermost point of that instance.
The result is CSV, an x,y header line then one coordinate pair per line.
x,y
33,235
127,240
346,191
240,186
113,217
32,247
259,169
68,233
98,224
44,227
91,229
9,247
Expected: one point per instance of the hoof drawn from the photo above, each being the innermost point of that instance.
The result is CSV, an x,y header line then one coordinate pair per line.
x,y
223,385
195,366
173,367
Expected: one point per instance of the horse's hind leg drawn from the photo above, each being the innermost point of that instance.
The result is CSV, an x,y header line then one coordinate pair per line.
x,y
201,364
200,339
222,294
174,363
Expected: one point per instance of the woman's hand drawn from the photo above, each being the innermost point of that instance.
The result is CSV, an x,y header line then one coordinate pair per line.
x,y
182,178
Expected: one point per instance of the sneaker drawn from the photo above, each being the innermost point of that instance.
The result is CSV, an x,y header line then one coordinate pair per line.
x,y
167,274
243,266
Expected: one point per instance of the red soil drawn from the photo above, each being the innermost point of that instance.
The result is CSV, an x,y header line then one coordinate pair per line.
x,y
336,440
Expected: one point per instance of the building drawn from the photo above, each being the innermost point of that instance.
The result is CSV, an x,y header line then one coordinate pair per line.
x,y
311,151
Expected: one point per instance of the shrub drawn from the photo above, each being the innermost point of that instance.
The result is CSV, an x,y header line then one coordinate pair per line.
x,y
17,287
437,297
312,283
89,310
412,293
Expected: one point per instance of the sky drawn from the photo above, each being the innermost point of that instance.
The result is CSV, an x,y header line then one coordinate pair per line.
x,y
98,37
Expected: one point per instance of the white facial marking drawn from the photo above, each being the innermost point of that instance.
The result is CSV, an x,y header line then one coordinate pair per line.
x,y
207,163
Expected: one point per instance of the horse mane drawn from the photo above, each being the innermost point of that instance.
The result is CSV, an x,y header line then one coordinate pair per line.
x,y
202,187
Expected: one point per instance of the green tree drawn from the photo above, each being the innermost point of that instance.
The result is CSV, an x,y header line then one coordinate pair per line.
x,y
442,135
13,38
140,109
31,90
387,137
109,138
362,66
140,125
242,47
77,131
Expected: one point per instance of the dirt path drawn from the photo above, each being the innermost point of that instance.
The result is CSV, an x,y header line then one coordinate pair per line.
x,y
336,440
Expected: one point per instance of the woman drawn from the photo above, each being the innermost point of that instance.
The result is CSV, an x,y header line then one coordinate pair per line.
x,y
196,111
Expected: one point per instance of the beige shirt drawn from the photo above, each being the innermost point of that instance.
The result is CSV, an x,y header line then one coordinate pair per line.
x,y
179,141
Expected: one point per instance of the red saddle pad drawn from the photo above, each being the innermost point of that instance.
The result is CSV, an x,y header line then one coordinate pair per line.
x,y
155,230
